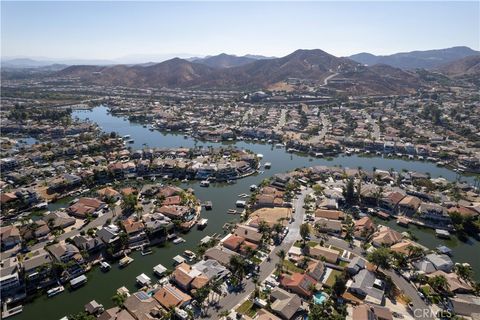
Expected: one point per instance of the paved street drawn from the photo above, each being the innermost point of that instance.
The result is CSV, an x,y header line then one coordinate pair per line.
x,y
267,267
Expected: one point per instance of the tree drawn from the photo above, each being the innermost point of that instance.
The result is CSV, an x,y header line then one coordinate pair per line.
x,y
129,203
81,316
349,192
119,299
414,252
340,285
438,283
237,266
465,272
282,255
380,258
304,232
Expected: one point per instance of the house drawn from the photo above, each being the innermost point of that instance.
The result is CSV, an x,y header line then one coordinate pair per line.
x,y
263,314
142,306
9,237
222,255
9,275
330,255
434,212
85,207
233,242
327,225
109,193
87,243
115,313
37,265
363,227
386,236
316,269
59,220
329,214
136,232
64,252
301,284
455,284
284,304
188,278
440,261
465,304
371,312
391,201
409,205
169,296
355,265
249,233
367,286
424,266
212,269
404,246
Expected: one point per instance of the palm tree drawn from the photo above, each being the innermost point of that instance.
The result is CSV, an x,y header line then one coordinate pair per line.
x,y
119,299
237,266
439,283
304,232
281,254
464,272
414,252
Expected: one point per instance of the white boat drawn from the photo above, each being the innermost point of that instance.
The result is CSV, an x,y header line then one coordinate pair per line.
x,y
189,254
202,223
204,183
54,291
143,280
105,266
267,165
126,137
279,145
260,156
178,240
440,233
125,261
159,270
78,281
253,187
146,252
241,203
179,259
131,141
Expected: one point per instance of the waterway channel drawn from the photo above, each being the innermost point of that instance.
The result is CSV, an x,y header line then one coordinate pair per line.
x,y
102,286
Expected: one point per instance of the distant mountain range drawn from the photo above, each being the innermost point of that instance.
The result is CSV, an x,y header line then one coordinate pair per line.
x,y
231,72
429,59
224,60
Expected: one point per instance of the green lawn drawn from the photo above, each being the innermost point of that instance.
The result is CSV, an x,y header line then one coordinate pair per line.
x,y
343,263
248,308
331,278
337,249
299,243
245,307
290,266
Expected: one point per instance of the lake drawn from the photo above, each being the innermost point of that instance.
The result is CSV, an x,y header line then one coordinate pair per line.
x,y
102,286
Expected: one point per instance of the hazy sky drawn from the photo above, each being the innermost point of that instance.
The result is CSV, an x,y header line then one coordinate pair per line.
x,y
107,30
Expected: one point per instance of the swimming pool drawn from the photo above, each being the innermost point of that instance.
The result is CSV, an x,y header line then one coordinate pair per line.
x,y
319,297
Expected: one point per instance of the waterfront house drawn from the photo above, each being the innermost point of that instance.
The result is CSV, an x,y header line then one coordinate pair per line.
x,y
301,284
86,207
143,307
365,285
169,296
249,233
391,200
440,261
386,236
434,213
88,244
188,278
212,269
363,227
9,276
136,233
65,252
115,313
284,304
409,205
455,283
37,267
220,254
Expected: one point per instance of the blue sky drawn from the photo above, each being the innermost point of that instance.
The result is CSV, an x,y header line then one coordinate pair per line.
x,y
141,30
